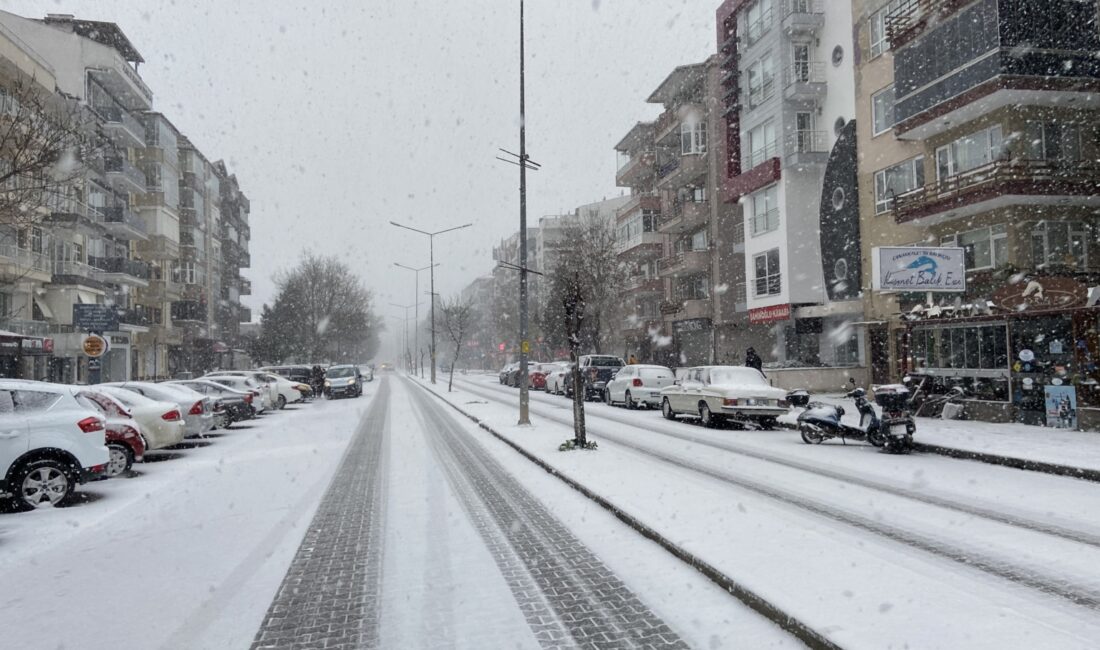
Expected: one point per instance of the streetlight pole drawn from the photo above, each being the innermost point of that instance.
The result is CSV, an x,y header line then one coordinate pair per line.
x,y
416,315
431,262
406,308
524,397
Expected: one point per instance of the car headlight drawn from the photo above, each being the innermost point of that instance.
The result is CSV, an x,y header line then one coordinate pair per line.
x,y
328,384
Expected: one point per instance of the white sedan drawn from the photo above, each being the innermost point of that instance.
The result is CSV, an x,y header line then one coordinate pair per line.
x,y
161,422
555,380
637,385
717,393
269,391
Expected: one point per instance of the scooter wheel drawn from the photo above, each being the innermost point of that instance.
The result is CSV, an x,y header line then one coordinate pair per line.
x,y
877,439
810,436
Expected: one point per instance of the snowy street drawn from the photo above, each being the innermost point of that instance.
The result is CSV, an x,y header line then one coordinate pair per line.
x,y
394,521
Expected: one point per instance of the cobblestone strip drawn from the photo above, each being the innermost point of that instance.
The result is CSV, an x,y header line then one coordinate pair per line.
x,y
330,595
591,606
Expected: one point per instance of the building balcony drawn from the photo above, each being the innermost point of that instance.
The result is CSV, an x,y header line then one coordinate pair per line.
x,y
123,175
122,127
125,85
121,222
684,263
803,16
138,317
687,309
646,245
636,326
804,81
76,273
686,217
682,170
805,148
162,290
35,328
760,175
640,285
637,170
246,315
246,287
638,201
120,270
193,181
75,219
22,264
189,311
1000,184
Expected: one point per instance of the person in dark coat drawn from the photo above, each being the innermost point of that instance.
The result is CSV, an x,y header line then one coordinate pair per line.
x,y
753,360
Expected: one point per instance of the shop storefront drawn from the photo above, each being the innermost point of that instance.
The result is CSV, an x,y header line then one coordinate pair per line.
x,y
1033,358
25,357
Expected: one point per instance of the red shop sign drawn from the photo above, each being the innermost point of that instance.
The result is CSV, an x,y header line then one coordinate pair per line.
x,y
770,314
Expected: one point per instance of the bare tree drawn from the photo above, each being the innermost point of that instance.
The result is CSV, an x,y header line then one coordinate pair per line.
x,y
45,138
458,317
568,290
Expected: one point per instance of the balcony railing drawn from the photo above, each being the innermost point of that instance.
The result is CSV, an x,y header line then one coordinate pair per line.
x,y
138,316
808,142
25,259
759,156
114,115
25,327
1003,177
121,215
794,7
122,265
188,311
755,30
804,72
910,17
768,286
123,167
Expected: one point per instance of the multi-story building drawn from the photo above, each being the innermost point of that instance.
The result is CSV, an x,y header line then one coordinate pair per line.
x,y
992,106
113,236
788,79
232,236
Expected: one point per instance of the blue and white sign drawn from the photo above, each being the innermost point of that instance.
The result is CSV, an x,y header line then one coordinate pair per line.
x,y
919,269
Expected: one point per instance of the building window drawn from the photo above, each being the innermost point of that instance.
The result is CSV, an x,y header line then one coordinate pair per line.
x,y
897,180
847,352
761,144
969,152
882,110
693,287
693,137
699,240
765,210
984,248
877,28
758,19
761,80
1060,243
1054,141
767,278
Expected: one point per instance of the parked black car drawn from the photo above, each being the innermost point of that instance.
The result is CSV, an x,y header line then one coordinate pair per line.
x,y
298,373
232,404
506,372
596,371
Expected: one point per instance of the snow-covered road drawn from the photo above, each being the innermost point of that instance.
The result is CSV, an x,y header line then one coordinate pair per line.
x,y
879,546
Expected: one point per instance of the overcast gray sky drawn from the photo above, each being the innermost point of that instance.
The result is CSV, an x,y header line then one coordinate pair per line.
x,y
340,116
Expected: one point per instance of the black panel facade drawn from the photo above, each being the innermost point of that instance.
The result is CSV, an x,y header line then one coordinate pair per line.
x,y
840,242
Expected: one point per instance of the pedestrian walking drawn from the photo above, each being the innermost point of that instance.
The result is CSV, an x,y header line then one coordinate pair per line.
x,y
752,360
633,360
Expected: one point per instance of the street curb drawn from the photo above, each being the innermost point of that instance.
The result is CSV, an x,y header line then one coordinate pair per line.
x,y
995,459
804,633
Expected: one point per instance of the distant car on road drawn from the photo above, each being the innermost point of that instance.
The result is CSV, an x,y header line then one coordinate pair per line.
x,y
638,385
717,393
506,373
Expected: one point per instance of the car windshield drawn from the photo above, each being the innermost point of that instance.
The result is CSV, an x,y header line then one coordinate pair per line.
x,y
339,372
606,362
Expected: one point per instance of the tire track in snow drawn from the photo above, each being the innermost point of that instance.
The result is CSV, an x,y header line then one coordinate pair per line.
x,y
1079,595
331,593
570,598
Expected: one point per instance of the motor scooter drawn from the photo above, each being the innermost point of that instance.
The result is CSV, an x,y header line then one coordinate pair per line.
x,y
893,433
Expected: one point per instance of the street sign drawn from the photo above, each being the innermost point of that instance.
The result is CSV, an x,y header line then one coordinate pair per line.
x,y
95,346
526,347
95,318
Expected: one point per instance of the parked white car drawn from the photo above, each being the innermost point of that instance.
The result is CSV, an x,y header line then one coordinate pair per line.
x,y
290,392
269,392
638,385
161,422
262,397
555,380
717,393
197,409
49,442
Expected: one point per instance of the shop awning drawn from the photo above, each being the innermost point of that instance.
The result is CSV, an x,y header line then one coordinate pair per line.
x,y
44,308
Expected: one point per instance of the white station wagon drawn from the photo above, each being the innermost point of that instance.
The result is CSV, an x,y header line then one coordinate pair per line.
x,y
717,393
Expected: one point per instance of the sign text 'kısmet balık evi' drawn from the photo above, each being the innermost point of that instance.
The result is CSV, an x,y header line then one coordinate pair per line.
x,y
919,269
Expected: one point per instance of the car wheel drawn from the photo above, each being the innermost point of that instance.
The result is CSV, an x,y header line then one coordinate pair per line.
x,y
121,459
281,404
630,405
666,410
43,483
705,416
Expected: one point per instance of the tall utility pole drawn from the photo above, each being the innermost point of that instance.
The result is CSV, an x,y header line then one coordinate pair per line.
x,y
524,344
431,266
408,362
416,315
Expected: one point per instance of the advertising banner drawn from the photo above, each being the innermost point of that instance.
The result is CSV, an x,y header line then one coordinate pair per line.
x,y
919,269
1061,406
